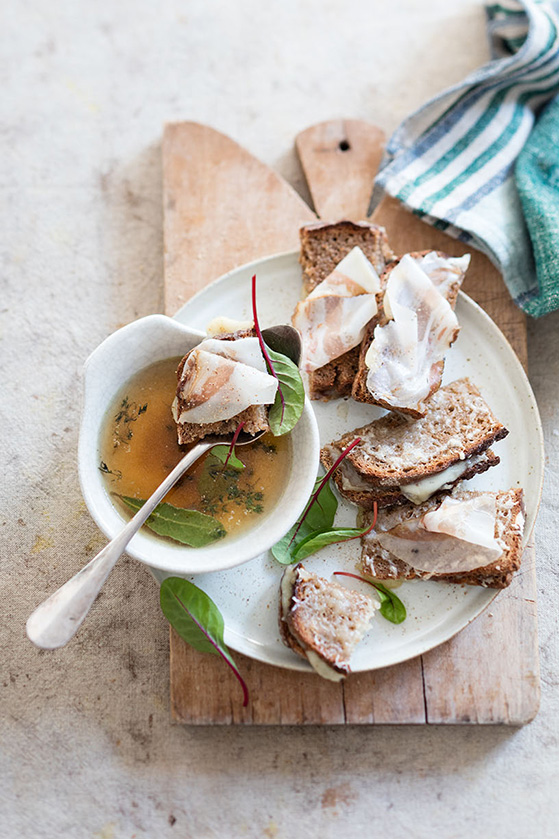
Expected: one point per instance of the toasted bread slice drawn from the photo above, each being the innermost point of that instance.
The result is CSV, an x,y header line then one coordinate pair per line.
x,y
378,562
322,621
255,418
357,489
395,450
323,246
448,282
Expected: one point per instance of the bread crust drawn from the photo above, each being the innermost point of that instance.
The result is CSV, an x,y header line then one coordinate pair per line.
x,y
394,451
391,496
382,565
315,623
323,245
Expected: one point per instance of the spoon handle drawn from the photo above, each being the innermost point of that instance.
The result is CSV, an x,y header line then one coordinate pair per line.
x,y
58,618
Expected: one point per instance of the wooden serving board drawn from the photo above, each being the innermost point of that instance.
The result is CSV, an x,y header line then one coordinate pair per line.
x,y
224,208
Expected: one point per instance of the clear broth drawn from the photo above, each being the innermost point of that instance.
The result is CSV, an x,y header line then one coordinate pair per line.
x,y
139,448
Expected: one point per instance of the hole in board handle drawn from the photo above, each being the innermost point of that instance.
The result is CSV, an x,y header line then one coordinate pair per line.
x,y
344,145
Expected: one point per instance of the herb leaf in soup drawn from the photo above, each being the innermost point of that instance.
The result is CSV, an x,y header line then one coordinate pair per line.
x,y
227,456
284,415
198,621
186,526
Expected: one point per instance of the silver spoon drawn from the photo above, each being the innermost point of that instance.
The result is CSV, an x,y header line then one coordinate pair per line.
x,y
58,618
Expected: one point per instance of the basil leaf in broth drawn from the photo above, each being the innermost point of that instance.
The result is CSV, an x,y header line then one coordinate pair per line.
x,y
189,527
284,416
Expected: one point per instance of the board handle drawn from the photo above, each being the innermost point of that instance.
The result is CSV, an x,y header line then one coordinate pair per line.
x,y
340,159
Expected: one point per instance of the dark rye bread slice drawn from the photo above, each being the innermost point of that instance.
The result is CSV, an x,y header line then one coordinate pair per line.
x,y
322,617
359,391
381,564
394,450
367,494
255,417
325,243
323,246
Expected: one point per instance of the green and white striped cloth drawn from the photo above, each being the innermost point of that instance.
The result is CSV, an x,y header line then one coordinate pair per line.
x,y
471,163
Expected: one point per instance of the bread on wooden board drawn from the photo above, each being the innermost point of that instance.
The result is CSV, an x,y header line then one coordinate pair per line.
x,y
382,564
323,246
448,281
322,620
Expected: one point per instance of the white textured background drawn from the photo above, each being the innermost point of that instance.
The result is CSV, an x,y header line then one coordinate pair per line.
x,y
87,749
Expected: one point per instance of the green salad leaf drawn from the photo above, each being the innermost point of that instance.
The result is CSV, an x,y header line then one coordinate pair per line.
x,y
186,526
321,538
197,620
288,405
316,516
290,397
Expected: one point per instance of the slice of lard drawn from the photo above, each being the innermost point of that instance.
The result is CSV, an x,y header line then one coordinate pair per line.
x,y
457,537
332,319
404,359
220,379
445,272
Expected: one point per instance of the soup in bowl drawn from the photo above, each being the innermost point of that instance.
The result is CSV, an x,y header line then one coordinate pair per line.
x,y
128,444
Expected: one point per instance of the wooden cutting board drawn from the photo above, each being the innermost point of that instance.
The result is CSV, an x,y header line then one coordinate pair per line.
x,y
222,208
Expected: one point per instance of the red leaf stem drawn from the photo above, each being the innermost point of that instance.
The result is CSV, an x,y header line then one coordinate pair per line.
x,y
232,446
219,650
263,346
321,485
354,576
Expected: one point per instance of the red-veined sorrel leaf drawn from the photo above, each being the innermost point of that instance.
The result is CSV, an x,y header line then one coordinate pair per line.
x,y
320,539
197,620
317,517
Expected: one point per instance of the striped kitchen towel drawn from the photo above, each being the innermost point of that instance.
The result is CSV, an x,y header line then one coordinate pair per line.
x,y
453,161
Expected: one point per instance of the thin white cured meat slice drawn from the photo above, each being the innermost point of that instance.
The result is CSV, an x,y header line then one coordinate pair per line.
x,y
445,272
405,357
332,319
457,537
214,387
245,350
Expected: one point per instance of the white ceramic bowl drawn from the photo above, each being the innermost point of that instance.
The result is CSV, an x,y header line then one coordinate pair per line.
x,y
106,371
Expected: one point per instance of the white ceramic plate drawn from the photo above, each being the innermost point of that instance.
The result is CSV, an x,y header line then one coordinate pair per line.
x,y
248,595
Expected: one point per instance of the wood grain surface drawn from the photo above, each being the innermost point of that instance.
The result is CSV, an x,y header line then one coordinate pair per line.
x,y
351,149
222,208
488,673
